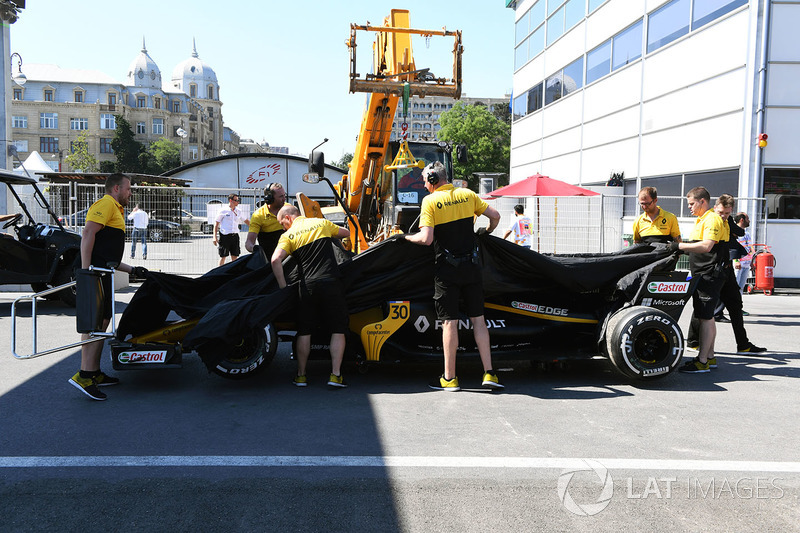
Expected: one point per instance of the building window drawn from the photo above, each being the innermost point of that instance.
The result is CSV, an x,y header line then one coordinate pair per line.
x,y
112,99
552,87
667,23
573,76
707,10
141,127
17,94
193,90
48,121
158,126
176,107
555,26
210,112
598,62
193,153
782,189
79,123
48,95
140,101
520,106
19,122
210,92
157,103
105,146
594,4
529,21
22,146
79,96
107,121
627,46
48,145
535,98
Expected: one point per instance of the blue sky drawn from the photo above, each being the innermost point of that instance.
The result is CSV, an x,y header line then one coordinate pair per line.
x,y
282,65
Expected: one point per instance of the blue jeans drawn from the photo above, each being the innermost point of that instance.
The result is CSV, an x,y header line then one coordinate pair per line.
x,y
139,233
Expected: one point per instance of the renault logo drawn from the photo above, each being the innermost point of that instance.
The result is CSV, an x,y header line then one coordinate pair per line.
x,y
422,324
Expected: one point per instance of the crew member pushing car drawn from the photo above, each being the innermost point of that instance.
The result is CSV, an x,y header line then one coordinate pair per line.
x,y
446,221
103,242
654,224
322,301
264,224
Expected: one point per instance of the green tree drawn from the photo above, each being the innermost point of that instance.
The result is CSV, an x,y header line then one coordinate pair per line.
x,y
488,140
166,153
503,113
80,159
344,161
126,147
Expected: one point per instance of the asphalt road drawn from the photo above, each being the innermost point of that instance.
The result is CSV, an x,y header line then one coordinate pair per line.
x,y
575,449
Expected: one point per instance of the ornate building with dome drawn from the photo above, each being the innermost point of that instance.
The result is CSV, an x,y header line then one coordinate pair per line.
x,y
56,106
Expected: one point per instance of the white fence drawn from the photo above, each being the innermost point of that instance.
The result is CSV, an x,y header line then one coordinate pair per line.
x,y
561,225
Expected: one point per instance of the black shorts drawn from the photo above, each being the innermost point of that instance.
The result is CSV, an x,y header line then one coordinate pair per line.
x,y
229,245
706,296
322,305
454,284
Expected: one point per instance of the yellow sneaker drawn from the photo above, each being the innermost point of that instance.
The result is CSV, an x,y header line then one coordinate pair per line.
x,y
449,385
336,381
491,381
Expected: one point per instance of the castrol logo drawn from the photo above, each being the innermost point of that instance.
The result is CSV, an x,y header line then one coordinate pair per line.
x,y
660,287
143,356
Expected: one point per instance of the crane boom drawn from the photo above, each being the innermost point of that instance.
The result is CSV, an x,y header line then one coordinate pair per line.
x,y
394,73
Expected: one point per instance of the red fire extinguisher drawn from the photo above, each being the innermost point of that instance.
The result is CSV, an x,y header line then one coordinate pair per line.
x,y
764,263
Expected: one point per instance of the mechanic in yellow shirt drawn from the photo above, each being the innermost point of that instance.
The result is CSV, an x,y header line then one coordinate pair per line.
x,y
654,224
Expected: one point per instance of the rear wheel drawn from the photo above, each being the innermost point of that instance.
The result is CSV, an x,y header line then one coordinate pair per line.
x,y
39,287
644,342
66,274
250,355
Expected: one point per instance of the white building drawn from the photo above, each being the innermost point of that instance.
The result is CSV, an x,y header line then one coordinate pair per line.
x,y
674,93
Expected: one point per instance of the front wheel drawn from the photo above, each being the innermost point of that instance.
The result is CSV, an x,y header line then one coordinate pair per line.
x,y
644,342
250,355
155,235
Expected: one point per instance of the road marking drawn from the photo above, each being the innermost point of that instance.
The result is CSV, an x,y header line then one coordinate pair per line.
x,y
394,462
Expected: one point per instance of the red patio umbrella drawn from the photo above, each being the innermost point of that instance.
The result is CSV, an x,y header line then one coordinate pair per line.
x,y
538,185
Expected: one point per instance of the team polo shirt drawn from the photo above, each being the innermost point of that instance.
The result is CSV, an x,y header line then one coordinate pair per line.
x,y
109,242
309,241
267,228
449,211
709,226
663,228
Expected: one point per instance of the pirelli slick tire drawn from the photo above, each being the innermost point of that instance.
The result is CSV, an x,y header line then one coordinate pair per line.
x,y
644,343
250,356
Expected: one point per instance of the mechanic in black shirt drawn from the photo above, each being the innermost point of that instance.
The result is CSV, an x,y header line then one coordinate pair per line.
x,y
103,243
447,221
322,299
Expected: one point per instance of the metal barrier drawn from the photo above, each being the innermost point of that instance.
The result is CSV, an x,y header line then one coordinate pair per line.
x,y
94,336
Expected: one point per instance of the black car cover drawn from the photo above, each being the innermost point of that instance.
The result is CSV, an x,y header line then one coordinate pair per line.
x,y
238,297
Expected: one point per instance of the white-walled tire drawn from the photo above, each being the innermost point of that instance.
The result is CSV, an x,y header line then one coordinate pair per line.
x,y
250,356
643,342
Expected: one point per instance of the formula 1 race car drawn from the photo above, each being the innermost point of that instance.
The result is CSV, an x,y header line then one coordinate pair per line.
x,y
624,306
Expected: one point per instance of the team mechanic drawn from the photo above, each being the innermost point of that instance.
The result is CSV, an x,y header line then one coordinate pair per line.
x,y
264,224
654,224
707,257
103,242
447,222
321,295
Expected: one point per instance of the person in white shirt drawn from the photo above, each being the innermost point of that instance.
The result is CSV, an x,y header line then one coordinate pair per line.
x,y
226,230
521,227
140,222
741,265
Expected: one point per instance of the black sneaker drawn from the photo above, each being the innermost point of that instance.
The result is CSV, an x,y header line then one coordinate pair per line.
x,y
721,318
87,386
103,380
750,348
694,366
